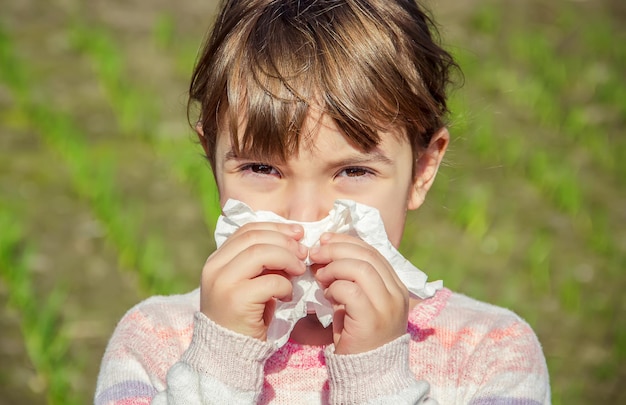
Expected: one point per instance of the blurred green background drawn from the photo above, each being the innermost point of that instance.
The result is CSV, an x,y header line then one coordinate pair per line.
x,y
105,199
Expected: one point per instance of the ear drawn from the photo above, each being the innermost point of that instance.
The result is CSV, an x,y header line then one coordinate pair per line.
x,y
426,168
202,138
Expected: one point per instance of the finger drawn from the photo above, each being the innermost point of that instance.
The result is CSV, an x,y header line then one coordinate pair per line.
x,y
352,298
371,254
358,272
341,248
240,241
339,314
294,231
255,259
265,232
265,288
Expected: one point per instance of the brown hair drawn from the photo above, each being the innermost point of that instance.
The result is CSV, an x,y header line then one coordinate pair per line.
x,y
368,64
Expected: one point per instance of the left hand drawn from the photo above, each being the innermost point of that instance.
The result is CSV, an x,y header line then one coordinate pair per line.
x,y
371,304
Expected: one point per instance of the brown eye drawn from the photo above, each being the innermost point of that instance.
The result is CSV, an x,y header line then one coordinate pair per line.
x,y
262,169
354,172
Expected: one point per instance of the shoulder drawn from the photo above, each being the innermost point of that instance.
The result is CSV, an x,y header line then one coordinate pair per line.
x,y
162,324
466,310
489,323
147,341
459,323
495,330
456,311
171,310
477,330
485,346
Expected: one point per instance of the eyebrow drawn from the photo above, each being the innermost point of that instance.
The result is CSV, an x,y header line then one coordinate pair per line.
x,y
230,155
374,156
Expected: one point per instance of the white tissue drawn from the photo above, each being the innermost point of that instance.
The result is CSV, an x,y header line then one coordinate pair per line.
x,y
346,216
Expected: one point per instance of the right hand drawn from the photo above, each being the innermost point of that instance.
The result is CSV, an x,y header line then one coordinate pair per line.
x,y
242,280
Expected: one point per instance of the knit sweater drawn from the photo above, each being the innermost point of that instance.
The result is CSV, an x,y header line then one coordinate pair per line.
x,y
456,351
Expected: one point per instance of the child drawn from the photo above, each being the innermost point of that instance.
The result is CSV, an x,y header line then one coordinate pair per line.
x,y
304,102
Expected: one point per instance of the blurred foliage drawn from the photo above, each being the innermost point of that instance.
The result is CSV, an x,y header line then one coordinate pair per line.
x,y
107,200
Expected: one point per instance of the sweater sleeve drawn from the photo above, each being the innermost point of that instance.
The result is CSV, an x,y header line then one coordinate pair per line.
x,y
380,376
146,363
220,366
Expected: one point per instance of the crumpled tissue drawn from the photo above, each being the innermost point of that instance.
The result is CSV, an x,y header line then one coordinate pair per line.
x,y
346,216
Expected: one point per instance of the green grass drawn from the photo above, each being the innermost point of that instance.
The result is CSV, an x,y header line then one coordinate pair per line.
x,y
93,178
45,340
135,112
527,212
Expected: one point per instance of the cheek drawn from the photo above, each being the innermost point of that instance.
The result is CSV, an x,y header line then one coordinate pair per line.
x,y
394,226
227,191
257,201
393,211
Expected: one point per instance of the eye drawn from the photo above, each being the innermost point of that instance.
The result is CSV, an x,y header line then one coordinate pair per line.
x,y
354,172
261,169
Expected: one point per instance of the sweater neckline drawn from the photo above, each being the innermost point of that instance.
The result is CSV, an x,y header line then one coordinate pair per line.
x,y
420,316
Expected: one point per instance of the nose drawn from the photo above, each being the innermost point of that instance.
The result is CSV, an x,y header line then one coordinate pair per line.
x,y
306,202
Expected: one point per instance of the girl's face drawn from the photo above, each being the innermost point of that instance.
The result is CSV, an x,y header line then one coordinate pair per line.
x,y
328,168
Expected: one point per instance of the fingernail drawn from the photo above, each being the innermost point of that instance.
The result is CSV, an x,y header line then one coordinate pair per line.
x,y
325,237
296,228
313,250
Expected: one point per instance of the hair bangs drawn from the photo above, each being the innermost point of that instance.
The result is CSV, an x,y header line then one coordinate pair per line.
x,y
371,66
272,88
293,62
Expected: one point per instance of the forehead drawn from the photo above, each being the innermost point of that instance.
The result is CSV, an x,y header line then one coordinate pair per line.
x,y
319,131
321,137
